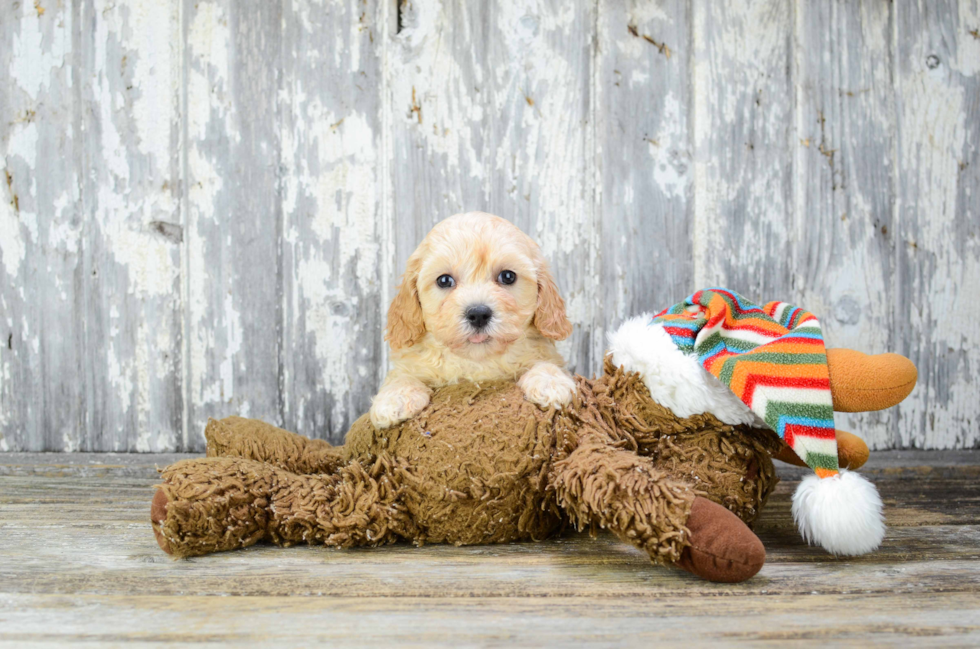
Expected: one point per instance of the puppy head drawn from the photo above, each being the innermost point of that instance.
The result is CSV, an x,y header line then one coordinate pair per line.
x,y
477,284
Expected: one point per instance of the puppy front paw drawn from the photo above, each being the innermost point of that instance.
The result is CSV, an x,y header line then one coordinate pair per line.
x,y
547,385
395,404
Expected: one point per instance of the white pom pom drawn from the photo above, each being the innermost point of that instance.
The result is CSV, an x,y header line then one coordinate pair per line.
x,y
841,513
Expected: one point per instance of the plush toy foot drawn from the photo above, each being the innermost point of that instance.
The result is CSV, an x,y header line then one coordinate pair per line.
x,y
852,452
722,548
862,383
158,514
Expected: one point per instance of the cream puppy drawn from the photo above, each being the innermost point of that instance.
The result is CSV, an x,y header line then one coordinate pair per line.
x,y
477,301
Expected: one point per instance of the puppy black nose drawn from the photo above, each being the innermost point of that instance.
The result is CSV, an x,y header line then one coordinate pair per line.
x,y
478,316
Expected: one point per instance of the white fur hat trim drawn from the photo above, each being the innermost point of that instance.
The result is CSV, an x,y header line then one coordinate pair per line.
x,y
675,380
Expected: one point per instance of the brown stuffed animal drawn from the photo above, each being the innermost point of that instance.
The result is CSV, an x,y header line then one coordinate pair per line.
x,y
482,465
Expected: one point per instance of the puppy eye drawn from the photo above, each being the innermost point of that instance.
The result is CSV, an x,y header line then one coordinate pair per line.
x,y
507,277
445,281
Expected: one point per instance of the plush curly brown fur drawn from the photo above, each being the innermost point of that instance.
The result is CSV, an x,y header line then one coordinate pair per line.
x,y
479,465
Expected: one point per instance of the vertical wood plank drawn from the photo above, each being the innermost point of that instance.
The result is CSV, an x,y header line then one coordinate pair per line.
x,y
491,110
541,167
232,281
743,123
332,149
643,103
844,181
132,233
41,306
99,204
937,318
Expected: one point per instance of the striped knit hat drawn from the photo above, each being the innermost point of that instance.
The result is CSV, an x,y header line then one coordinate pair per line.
x,y
717,352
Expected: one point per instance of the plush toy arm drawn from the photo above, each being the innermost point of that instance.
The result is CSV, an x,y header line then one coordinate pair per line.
x,y
224,503
252,439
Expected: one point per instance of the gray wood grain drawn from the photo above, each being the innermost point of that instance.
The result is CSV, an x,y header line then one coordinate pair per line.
x,y
131,236
331,125
91,210
643,100
205,206
743,124
938,223
42,277
232,280
844,181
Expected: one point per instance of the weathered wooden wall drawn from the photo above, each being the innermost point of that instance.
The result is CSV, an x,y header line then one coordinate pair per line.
x,y
205,204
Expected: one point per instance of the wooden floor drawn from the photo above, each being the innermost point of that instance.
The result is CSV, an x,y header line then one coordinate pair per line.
x,y
78,564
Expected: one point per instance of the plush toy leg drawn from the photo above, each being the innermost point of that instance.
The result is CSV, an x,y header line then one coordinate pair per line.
x,y
731,466
253,439
616,489
852,452
216,504
862,383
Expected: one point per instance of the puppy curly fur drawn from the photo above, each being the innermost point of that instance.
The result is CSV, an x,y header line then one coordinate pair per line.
x,y
433,344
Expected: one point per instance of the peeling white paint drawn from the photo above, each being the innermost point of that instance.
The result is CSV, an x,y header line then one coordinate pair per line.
x,y
5,385
233,345
22,142
445,120
670,150
22,146
12,247
149,37
208,35
938,124
37,50
146,258
211,330
967,59
345,193
64,234
742,128
331,205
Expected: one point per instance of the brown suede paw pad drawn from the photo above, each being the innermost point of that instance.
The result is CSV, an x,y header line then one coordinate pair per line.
x,y
158,515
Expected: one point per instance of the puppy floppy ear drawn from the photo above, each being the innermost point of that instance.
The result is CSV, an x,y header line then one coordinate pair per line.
x,y
405,323
549,316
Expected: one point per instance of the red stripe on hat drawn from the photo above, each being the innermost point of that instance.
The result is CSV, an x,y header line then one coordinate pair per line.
x,y
680,331
791,431
753,380
714,320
